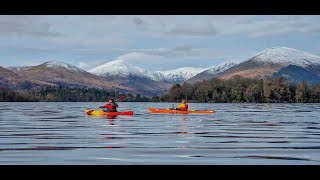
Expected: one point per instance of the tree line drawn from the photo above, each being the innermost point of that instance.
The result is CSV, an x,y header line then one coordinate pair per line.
x,y
238,89
66,94
234,90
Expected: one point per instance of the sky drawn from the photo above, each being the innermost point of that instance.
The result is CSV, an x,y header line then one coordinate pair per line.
x,y
157,42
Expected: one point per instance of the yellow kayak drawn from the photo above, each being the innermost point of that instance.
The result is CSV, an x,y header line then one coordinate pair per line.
x,y
98,112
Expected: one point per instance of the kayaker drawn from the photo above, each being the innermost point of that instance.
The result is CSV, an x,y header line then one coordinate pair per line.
x,y
183,106
111,106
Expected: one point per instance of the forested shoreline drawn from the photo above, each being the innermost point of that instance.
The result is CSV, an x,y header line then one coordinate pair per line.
x,y
233,90
245,90
66,94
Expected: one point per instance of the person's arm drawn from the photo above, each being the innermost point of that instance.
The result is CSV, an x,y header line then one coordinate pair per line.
x,y
115,105
104,106
187,107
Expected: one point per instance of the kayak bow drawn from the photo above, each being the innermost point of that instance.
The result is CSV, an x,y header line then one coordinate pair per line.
x,y
155,110
101,112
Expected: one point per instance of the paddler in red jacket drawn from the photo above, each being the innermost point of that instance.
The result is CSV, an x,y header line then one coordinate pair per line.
x,y
110,107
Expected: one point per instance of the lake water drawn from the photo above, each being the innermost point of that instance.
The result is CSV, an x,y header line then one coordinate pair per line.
x,y
61,133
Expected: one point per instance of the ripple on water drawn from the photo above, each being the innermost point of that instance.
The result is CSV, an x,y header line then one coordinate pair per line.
x,y
58,133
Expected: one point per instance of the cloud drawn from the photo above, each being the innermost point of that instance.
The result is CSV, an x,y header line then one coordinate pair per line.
x,y
184,51
63,32
26,25
189,30
184,48
273,26
179,51
165,38
137,21
153,51
137,57
174,25
107,30
203,26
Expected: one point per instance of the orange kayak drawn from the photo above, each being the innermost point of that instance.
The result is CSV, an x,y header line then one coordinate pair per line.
x,y
155,110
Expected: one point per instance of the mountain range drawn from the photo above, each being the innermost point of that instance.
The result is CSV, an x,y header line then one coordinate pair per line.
x,y
12,80
119,75
275,62
120,68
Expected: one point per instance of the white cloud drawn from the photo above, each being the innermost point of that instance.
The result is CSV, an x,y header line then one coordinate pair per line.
x,y
26,25
109,29
218,25
187,30
145,38
137,57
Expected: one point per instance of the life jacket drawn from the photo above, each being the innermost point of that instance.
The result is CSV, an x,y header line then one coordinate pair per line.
x,y
111,106
183,107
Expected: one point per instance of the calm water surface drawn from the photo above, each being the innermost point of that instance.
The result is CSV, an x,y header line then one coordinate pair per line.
x,y
61,133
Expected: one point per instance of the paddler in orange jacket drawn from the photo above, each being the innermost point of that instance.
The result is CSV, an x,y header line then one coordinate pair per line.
x,y
183,106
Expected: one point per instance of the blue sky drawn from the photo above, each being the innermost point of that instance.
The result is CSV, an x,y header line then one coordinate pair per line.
x,y
150,42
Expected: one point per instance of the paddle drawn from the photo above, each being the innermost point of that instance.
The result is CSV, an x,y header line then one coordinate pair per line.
x,y
120,98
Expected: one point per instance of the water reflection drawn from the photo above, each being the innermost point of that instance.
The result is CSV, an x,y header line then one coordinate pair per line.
x,y
110,121
183,128
183,119
111,116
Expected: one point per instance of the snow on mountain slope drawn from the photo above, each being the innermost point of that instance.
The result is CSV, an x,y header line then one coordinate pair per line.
x,y
220,68
57,64
286,56
117,68
180,74
18,68
212,71
280,56
124,69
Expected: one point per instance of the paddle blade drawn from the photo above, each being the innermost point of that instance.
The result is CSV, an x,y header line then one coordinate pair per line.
x,y
122,97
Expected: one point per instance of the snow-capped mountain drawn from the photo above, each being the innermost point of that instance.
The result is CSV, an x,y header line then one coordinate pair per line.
x,y
10,79
265,64
176,75
59,73
286,56
210,72
18,68
49,64
58,64
272,60
117,68
130,76
123,69
221,67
